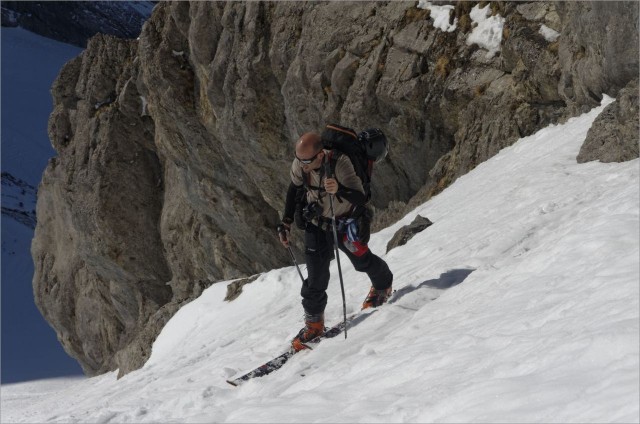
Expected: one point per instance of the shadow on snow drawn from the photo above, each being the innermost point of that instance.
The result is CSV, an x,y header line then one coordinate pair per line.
x,y
446,280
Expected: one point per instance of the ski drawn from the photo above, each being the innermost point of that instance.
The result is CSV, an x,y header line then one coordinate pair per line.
x,y
277,362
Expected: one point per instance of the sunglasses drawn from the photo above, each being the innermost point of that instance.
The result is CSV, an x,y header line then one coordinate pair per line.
x,y
308,161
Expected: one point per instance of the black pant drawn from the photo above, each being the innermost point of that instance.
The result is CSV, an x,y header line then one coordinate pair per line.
x,y
319,252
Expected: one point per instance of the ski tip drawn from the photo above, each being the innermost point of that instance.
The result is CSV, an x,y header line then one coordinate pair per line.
x,y
232,383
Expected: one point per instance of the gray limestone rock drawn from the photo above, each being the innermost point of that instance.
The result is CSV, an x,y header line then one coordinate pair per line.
x,y
615,134
234,289
406,233
100,270
598,50
174,150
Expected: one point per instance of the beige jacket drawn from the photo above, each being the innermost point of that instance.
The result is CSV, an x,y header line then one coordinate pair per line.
x,y
344,173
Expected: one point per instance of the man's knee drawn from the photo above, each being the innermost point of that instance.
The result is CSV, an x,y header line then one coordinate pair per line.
x,y
365,262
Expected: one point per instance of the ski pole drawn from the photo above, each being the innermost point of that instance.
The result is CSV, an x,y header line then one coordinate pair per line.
x,y
295,263
282,231
335,242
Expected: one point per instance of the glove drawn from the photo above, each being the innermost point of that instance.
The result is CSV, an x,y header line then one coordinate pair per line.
x,y
284,228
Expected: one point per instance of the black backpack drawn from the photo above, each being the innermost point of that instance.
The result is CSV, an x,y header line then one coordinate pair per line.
x,y
364,149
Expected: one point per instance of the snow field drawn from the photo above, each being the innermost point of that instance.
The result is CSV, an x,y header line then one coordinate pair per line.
x,y
519,304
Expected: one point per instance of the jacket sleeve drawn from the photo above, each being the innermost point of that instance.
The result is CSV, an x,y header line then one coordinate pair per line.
x,y
349,184
352,196
295,173
290,204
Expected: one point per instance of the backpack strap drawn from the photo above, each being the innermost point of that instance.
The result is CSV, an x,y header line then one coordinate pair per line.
x,y
367,184
334,155
344,130
306,181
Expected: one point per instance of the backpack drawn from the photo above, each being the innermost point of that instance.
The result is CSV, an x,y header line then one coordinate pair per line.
x,y
363,150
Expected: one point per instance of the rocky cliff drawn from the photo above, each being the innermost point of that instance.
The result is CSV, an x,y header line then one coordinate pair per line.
x,y
173,150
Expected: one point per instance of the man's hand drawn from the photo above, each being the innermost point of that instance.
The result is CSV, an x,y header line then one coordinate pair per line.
x,y
331,185
284,229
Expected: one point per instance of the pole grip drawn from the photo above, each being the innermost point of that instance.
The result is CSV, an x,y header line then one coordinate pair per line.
x,y
327,166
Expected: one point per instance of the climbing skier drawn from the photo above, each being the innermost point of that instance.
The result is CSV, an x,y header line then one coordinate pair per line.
x,y
307,200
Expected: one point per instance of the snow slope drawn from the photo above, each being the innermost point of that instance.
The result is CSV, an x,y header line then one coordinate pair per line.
x,y
30,63
519,304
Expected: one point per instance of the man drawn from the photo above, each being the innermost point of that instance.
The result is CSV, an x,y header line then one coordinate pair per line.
x,y
308,174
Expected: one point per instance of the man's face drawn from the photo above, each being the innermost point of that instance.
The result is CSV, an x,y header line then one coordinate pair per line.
x,y
310,161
